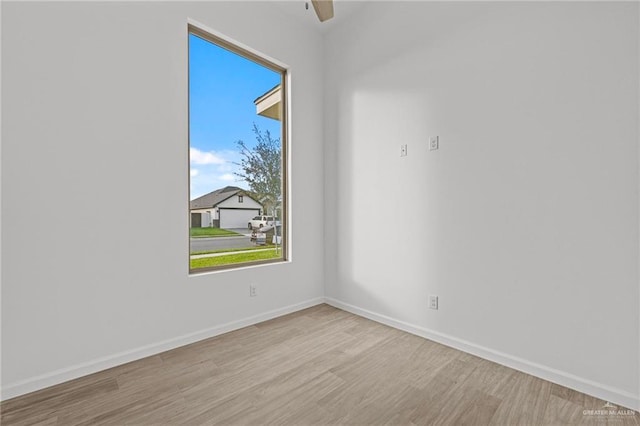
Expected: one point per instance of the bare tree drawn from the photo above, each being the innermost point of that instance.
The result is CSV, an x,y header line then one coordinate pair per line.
x,y
261,168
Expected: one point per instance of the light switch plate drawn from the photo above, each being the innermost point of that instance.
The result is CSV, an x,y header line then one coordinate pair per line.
x,y
403,150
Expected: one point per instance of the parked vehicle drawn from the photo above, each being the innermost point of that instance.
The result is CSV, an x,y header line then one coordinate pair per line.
x,y
260,221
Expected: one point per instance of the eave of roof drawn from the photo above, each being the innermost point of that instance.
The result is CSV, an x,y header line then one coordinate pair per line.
x,y
267,94
214,198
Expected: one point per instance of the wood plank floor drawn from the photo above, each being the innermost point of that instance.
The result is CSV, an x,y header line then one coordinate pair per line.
x,y
317,366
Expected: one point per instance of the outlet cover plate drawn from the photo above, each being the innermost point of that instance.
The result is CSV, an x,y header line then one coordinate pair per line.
x,y
434,143
433,302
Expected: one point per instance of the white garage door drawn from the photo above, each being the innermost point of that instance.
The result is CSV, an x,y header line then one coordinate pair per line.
x,y
236,218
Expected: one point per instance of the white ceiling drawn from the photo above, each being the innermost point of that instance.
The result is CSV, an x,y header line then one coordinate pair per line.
x,y
342,11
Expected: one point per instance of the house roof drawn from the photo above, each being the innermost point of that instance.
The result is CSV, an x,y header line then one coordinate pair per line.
x,y
214,198
267,93
270,104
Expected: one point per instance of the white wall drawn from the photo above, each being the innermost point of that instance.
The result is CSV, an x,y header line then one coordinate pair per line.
x,y
94,113
525,222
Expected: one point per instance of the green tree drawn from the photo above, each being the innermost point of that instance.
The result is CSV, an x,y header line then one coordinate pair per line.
x,y
261,168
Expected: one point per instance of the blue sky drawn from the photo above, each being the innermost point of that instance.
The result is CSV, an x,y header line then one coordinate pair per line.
x,y
222,88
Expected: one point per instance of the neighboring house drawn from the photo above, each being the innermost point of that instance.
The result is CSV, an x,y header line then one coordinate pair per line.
x,y
270,104
228,207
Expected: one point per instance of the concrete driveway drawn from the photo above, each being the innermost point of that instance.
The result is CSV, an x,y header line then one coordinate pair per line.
x,y
243,231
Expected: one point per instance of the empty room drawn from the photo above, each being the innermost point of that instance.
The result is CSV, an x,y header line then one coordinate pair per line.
x,y
320,213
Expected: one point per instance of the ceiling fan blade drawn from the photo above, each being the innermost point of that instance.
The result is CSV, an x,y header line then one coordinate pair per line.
x,y
324,9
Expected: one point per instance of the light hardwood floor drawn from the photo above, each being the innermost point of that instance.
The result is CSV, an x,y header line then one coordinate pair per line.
x,y
317,366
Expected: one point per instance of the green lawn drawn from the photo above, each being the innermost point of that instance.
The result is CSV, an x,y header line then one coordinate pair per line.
x,y
247,256
211,232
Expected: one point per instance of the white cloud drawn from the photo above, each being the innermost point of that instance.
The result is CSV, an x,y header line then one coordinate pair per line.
x,y
211,170
227,177
201,157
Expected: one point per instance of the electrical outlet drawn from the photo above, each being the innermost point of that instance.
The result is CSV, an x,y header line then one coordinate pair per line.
x,y
403,150
434,143
253,290
433,302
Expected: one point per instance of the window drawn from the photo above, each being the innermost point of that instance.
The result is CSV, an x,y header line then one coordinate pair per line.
x,y
237,156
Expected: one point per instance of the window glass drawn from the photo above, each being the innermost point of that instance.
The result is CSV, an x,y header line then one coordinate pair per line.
x,y
236,145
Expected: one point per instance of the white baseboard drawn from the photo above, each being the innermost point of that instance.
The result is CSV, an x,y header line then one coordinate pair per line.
x,y
607,393
90,367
